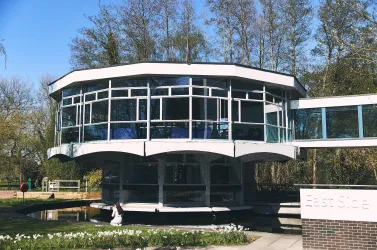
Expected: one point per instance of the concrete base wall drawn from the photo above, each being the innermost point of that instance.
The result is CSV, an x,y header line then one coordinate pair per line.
x,y
61,195
8,194
339,234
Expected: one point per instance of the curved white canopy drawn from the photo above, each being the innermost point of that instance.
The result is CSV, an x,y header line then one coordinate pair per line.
x,y
199,69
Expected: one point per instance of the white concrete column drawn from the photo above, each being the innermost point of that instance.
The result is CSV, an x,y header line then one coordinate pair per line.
x,y
161,180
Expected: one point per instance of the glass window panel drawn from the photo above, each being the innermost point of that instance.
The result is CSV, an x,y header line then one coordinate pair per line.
x,y
246,84
71,91
123,110
183,174
238,94
204,108
90,97
70,135
100,111
235,116
213,82
185,196
342,122
200,91
141,173
308,123
180,91
155,109
67,101
123,131
166,130
103,95
175,108
95,85
252,112
144,194
163,91
272,134
370,120
143,109
171,81
219,93
247,132
76,99
129,82
271,117
210,130
269,98
228,174
139,92
119,93
223,110
95,132
69,116
256,96
223,197
87,113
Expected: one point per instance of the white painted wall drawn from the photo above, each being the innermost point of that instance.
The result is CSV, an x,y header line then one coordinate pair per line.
x,y
334,101
336,204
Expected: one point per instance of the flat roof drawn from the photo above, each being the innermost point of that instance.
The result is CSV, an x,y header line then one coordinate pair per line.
x,y
215,69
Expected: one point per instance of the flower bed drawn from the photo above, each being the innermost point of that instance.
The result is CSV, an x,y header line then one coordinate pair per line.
x,y
229,235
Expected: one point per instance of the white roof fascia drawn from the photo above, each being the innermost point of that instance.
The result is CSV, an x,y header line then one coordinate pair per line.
x,y
177,69
335,101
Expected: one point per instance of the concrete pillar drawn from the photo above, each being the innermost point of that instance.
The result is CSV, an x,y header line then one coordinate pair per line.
x,y
161,180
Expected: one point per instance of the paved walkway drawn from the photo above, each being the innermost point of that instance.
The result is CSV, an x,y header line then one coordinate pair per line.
x,y
269,241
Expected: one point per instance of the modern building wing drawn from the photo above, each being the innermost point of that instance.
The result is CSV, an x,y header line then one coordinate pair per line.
x,y
172,134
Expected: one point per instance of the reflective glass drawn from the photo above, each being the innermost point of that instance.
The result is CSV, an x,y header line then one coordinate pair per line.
x,y
179,91
70,135
212,82
370,120
272,134
90,97
256,96
204,108
171,81
87,113
200,91
123,110
175,108
76,99
95,85
69,116
252,112
342,122
103,94
163,91
141,173
100,111
71,91
67,101
123,131
143,109
184,196
209,130
129,82
219,93
145,194
95,132
155,109
228,174
119,93
139,92
166,130
308,123
238,94
247,132
183,174
221,197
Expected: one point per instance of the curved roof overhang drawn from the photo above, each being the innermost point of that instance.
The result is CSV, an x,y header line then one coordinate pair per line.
x,y
246,151
196,69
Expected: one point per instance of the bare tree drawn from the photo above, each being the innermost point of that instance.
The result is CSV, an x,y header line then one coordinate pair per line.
x,y
3,52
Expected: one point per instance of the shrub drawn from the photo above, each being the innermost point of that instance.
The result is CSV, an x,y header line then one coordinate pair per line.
x,y
125,238
94,179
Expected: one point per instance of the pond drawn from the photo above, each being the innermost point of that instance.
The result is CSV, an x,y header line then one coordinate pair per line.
x,y
82,213
258,222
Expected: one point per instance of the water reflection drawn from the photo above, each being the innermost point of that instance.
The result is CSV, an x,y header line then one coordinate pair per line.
x,y
84,213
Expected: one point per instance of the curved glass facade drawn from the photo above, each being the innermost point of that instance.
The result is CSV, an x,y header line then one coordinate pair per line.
x,y
172,107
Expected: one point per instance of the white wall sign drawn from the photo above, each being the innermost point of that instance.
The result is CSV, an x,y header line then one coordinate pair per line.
x,y
336,204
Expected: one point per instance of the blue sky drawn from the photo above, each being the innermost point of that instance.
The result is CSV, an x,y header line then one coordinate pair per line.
x,y
37,34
